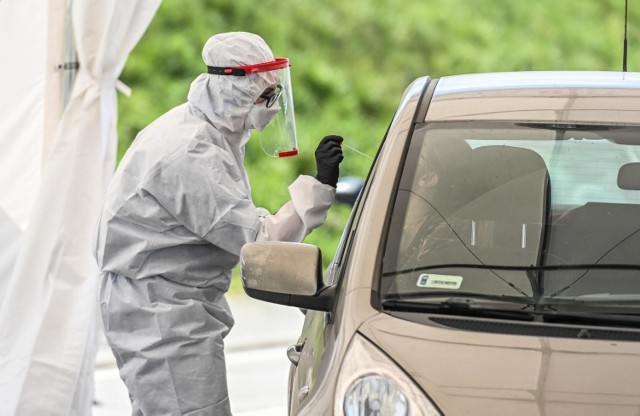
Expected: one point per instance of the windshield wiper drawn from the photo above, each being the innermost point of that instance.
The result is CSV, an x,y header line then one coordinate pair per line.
x,y
470,307
458,306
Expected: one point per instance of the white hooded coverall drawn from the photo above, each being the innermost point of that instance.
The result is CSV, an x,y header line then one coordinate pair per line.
x,y
176,214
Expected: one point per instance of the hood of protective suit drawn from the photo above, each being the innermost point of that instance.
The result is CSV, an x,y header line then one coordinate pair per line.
x,y
226,100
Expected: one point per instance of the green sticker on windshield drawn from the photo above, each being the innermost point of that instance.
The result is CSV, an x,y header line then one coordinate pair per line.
x,y
439,281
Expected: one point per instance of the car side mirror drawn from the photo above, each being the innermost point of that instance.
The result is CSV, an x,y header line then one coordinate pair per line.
x,y
285,273
348,189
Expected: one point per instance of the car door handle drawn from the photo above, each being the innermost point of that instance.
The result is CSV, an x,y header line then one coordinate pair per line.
x,y
303,392
293,352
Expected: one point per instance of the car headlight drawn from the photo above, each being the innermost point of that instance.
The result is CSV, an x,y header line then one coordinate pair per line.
x,y
370,384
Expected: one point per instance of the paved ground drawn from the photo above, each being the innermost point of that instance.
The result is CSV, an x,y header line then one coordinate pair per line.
x,y
257,366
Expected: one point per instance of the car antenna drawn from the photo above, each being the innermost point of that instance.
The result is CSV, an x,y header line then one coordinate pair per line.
x,y
624,48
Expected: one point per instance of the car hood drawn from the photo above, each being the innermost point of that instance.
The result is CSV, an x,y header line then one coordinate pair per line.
x,y
481,373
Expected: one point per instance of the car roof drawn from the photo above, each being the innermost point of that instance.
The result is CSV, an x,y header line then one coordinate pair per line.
x,y
571,96
457,84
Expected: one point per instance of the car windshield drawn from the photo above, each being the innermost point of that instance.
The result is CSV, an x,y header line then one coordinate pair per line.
x,y
540,212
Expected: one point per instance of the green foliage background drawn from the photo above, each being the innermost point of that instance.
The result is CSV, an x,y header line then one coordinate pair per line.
x,y
352,60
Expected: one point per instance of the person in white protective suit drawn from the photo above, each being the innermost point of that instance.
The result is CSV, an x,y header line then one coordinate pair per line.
x,y
176,214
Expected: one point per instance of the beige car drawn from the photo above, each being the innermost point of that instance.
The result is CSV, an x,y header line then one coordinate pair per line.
x,y
491,265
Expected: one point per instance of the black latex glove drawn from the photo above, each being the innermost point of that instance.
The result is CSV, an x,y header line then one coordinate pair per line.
x,y
328,158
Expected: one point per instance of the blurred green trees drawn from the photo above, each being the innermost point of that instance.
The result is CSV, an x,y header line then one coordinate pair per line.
x,y
351,61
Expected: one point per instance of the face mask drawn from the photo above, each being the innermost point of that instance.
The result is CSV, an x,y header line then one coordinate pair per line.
x,y
259,116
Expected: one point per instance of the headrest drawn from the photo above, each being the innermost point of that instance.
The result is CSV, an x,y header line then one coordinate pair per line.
x,y
499,164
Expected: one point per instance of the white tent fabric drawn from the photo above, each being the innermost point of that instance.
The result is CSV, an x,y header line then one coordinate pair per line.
x,y
51,198
21,115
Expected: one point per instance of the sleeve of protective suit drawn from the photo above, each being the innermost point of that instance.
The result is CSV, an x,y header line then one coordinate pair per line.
x,y
307,210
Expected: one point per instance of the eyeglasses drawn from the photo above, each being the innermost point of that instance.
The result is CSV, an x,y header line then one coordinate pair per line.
x,y
270,95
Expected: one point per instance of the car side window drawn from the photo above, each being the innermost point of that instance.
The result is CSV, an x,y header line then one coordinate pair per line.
x,y
342,253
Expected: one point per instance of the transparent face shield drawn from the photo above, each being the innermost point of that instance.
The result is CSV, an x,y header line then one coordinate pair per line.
x,y
278,138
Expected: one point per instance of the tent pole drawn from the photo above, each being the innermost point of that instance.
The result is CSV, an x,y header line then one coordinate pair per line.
x,y
70,66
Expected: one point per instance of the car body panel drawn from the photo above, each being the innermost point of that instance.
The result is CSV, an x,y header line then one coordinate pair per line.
x,y
484,373
324,346
540,96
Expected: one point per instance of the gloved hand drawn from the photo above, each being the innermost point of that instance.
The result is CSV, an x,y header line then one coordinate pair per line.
x,y
328,158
